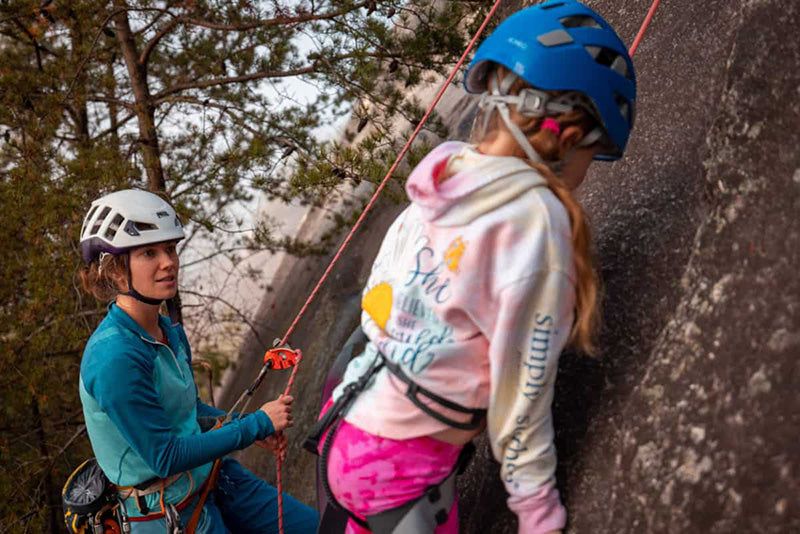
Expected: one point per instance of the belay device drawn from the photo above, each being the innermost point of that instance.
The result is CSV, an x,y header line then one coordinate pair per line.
x,y
91,504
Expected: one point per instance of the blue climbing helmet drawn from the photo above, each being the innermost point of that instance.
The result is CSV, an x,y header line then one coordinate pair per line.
x,y
564,46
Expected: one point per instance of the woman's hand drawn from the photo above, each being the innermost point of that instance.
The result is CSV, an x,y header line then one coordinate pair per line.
x,y
276,443
280,412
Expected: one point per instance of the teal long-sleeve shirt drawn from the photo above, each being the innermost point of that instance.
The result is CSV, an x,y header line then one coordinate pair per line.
x,y
141,407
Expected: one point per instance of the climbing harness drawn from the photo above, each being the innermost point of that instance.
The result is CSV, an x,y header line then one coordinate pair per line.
x,y
419,515
93,505
413,391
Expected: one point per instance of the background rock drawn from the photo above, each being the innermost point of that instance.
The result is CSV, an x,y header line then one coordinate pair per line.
x,y
689,420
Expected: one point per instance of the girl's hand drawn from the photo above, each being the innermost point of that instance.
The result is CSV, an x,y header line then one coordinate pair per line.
x,y
276,444
280,412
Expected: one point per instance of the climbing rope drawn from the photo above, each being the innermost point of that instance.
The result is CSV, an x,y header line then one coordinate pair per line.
x,y
383,183
643,29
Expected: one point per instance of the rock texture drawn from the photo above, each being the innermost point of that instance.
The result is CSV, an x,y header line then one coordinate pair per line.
x,y
689,420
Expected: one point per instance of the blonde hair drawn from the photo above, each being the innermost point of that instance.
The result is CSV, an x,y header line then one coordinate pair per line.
x,y
545,142
102,277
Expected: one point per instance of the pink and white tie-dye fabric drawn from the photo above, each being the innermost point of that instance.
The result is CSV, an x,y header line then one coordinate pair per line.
x,y
370,474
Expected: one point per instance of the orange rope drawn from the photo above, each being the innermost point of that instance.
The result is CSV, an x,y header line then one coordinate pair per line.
x,y
643,29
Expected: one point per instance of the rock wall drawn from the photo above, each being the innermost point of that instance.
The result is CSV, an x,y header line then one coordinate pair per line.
x,y
688,420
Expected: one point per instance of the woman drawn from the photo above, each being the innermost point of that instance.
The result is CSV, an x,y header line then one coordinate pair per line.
x,y
138,393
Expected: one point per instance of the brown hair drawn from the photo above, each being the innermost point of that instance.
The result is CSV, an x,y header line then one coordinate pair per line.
x,y
102,278
545,142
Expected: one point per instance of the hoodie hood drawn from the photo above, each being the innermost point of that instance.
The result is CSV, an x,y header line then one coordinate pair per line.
x,y
478,186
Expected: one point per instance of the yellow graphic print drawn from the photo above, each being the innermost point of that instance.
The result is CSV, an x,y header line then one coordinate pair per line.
x,y
378,303
454,252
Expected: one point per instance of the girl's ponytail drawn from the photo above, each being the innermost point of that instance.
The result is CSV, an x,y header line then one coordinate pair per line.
x,y
587,290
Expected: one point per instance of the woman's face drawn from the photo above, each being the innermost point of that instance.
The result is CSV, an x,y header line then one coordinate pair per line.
x,y
154,270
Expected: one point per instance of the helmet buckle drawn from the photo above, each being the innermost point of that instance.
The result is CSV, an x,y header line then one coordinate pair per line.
x,y
531,103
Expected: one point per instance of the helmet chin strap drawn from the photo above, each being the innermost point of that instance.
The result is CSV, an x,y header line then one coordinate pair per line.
x,y
135,294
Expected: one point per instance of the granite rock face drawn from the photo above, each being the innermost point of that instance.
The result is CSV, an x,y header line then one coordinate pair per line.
x,y
689,420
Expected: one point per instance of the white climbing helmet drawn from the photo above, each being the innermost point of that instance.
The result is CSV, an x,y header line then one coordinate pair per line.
x,y
127,219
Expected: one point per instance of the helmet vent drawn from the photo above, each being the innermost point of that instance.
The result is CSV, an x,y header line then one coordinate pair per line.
x,y
625,108
87,220
111,231
609,58
555,38
580,21
100,218
91,212
551,6
143,227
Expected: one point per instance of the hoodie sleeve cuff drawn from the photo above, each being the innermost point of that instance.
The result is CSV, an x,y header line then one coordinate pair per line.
x,y
539,513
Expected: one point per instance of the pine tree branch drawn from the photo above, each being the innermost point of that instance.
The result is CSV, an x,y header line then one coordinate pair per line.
x,y
120,123
97,35
228,110
310,69
151,44
235,79
277,21
109,100
178,20
56,320
214,254
235,310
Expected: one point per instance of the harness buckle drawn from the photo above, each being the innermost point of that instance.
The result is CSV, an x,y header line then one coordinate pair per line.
x,y
532,103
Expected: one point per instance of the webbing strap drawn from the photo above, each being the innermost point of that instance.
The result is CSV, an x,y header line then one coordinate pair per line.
x,y
211,481
415,390
431,509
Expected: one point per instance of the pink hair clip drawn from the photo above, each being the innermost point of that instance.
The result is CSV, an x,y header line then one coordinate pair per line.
x,y
551,124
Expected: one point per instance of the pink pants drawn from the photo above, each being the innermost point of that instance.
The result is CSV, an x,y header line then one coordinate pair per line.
x,y
369,474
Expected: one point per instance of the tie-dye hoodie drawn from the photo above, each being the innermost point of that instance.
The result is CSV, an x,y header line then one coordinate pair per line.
x,y
472,293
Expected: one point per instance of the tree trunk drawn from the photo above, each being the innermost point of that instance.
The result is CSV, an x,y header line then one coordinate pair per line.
x,y
50,499
145,110
113,109
79,92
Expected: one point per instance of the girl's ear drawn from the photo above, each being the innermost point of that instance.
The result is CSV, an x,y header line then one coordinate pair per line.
x,y
568,139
